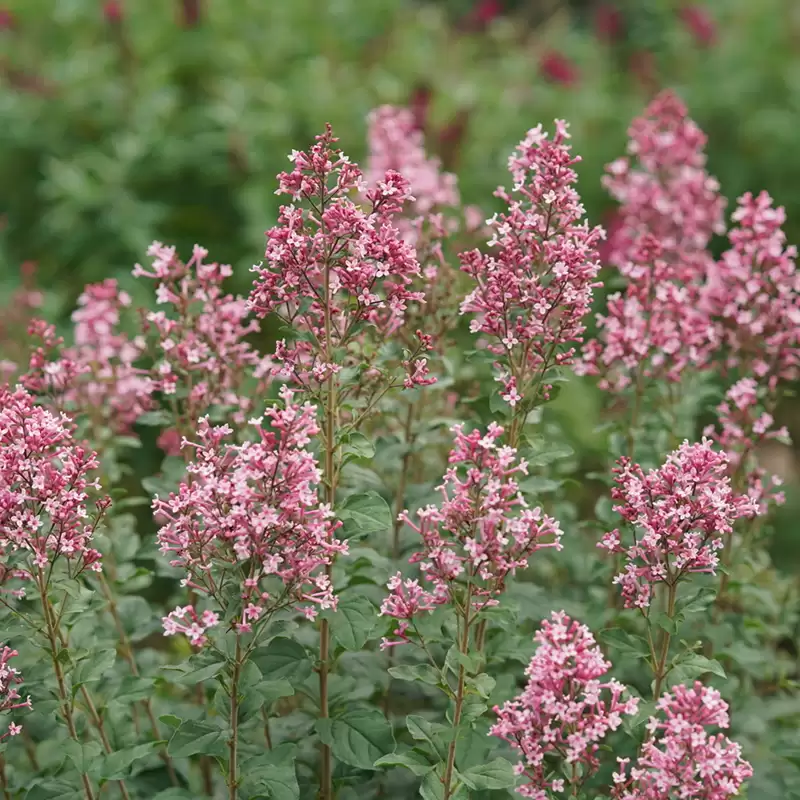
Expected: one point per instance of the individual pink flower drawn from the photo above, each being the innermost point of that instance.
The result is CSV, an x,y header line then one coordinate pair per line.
x,y
681,514
44,490
10,699
481,532
753,294
565,711
334,272
534,285
680,757
201,335
669,209
250,514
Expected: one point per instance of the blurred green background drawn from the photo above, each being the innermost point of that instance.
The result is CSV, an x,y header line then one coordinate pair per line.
x,y
123,122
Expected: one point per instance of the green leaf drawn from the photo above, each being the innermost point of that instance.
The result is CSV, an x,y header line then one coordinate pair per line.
x,y
175,794
196,737
356,445
693,664
364,514
115,765
50,789
664,622
193,671
625,643
154,418
272,774
359,737
456,658
93,668
411,760
497,774
699,601
436,735
483,684
283,658
273,690
171,721
82,755
424,673
353,622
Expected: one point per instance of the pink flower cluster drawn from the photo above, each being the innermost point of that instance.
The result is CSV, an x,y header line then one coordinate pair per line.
x,y
9,696
250,515
52,372
745,425
482,531
113,387
681,758
754,294
202,345
331,268
670,208
44,488
534,286
396,144
681,511
565,710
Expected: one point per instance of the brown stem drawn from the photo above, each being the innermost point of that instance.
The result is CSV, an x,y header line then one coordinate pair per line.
x,y
267,734
97,721
233,743
66,707
127,653
326,760
463,647
660,666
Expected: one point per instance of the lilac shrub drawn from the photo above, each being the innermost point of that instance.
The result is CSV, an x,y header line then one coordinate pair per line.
x,y
330,586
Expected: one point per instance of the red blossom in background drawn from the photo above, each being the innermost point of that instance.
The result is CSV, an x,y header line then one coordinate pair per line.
x,y
44,489
609,24
669,209
534,285
699,23
482,529
251,513
681,513
565,710
112,11
10,699
753,294
7,20
680,758
557,68
419,104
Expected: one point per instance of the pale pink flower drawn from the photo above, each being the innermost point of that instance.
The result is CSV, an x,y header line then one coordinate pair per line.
x,y
10,699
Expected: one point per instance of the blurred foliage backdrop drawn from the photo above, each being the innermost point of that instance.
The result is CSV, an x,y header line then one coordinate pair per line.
x,y
121,122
